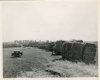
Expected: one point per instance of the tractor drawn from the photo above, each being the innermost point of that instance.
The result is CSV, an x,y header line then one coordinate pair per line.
x,y
16,54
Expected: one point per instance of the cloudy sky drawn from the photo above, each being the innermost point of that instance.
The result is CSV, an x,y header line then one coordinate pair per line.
x,y
50,21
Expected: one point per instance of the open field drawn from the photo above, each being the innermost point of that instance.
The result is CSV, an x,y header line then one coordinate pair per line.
x,y
39,63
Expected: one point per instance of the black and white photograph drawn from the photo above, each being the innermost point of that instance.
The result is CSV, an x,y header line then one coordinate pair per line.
x,y
50,39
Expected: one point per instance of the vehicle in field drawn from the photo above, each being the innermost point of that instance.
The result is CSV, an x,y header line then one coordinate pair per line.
x,y
17,53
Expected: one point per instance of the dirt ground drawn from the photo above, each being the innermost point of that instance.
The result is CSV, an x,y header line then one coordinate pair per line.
x,y
36,63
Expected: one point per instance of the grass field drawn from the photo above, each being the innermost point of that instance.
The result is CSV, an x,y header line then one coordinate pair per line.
x,y
39,63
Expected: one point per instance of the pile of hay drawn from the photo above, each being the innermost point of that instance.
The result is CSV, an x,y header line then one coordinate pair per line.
x,y
89,53
58,47
49,46
72,50
65,50
42,46
76,51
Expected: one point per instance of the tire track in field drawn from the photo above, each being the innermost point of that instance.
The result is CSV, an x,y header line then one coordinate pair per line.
x,y
39,71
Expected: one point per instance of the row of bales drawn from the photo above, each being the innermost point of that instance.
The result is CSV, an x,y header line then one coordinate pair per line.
x,y
75,50
47,46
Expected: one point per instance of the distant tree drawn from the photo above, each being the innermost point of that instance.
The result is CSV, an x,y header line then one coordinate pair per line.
x,y
47,41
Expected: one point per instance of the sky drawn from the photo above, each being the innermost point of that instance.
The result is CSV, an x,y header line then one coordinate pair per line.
x,y
52,21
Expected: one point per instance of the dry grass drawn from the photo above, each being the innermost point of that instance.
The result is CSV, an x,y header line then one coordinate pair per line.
x,y
31,64
36,74
30,59
39,63
71,69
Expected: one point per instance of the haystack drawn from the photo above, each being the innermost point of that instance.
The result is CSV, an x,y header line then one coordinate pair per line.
x,y
89,52
72,50
50,46
76,51
65,50
58,47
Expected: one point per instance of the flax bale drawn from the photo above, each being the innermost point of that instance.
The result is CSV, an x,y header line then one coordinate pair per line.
x,y
61,43
76,51
58,47
50,46
69,46
96,56
42,46
90,49
54,48
89,52
65,50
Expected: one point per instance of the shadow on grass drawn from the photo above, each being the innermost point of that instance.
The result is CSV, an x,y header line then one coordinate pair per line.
x,y
55,54
57,59
75,61
15,57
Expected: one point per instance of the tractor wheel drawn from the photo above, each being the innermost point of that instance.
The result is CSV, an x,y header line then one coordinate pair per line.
x,y
13,55
19,55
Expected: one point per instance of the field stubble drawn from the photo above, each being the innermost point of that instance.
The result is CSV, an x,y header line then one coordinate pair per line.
x,y
39,63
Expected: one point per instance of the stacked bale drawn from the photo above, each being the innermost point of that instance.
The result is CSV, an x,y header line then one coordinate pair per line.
x,y
49,46
42,46
58,47
76,51
96,56
65,50
89,53
80,51
54,49
72,50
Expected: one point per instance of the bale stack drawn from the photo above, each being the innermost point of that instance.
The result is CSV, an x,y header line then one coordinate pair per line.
x,y
50,46
42,46
65,50
54,49
58,47
76,51
80,51
72,50
96,56
58,44
89,53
